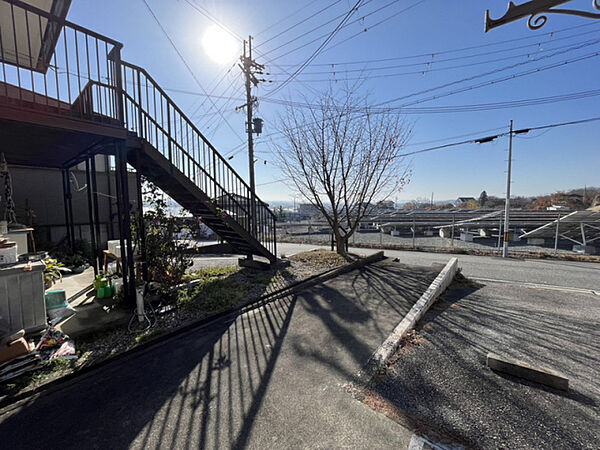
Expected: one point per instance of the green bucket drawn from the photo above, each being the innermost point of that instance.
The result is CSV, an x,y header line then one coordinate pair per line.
x,y
56,299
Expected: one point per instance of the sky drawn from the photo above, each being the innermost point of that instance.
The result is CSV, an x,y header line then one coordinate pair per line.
x,y
400,49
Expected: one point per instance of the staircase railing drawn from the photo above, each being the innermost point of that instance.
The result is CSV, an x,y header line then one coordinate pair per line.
x,y
153,116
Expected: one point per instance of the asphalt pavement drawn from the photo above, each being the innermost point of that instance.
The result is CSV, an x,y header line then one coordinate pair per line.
x,y
442,385
570,274
271,378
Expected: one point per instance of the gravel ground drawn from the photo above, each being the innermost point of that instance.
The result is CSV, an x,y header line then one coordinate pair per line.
x,y
253,283
439,381
487,245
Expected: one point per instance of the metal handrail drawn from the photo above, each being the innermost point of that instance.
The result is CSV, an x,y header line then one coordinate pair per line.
x,y
176,108
157,119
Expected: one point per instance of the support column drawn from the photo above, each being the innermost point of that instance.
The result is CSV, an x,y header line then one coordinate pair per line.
x,y
556,234
111,230
66,198
118,194
123,211
141,224
70,222
129,263
96,209
91,215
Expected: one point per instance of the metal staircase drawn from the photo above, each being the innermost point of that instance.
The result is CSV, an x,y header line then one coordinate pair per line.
x,y
66,95
171,152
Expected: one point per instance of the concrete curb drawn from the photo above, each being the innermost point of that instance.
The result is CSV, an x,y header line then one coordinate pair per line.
x,y
9,403
523,370
390,345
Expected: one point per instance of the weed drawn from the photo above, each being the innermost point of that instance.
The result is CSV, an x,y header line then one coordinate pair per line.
x,y
149,335
211,295
211,272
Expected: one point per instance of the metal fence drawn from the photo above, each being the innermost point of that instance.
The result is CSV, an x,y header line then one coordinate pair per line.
x,y
479,232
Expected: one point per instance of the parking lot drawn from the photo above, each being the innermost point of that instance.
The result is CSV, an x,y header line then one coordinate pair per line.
x,y
440,384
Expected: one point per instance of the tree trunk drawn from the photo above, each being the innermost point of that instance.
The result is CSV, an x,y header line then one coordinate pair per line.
x,y
340,243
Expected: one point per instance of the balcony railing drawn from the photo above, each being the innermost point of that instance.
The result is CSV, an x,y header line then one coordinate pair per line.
x,y
50,64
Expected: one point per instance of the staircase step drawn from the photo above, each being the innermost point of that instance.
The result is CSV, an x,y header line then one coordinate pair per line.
x,y
184,191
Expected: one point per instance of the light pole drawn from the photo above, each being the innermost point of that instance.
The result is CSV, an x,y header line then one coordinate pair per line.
x,y
251,68
507,203
508,181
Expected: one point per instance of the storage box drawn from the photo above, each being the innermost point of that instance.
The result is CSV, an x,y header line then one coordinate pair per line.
x,y
13,350
8,255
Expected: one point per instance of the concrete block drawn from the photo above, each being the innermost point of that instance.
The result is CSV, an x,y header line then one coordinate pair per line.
x,y
585,249
523,370
445,232
395,233
466,237
536,241
428,232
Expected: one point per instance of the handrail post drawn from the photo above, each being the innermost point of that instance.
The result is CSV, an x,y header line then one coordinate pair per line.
x,y
139,106
214,172
115,56
169,138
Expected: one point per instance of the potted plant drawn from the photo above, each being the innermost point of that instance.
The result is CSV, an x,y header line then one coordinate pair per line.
x,y
52,271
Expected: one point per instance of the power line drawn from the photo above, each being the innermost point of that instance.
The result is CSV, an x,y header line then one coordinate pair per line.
x,y
455,109
377,24
490,138
280,21
434,109
300,23
209,16
442,69
324,24
474,47
495,81
480,140
187,65
432,61
318,50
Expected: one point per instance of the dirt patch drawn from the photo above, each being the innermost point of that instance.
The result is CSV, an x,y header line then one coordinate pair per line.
x,y
411,339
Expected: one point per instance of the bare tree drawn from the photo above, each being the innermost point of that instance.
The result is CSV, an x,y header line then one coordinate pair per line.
x,y
342,156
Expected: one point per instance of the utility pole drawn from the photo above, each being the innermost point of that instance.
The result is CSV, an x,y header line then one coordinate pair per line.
x,y
251,68
507,203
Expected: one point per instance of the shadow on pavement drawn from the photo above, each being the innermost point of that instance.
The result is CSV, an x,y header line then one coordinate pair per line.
x,y
198,390
442,383
363,308
226,384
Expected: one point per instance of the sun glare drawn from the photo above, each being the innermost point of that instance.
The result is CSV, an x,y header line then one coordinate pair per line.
x,y
219,45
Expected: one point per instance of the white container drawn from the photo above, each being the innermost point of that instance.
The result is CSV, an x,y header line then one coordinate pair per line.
x,y
117,284
114,247
8,255
20,237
